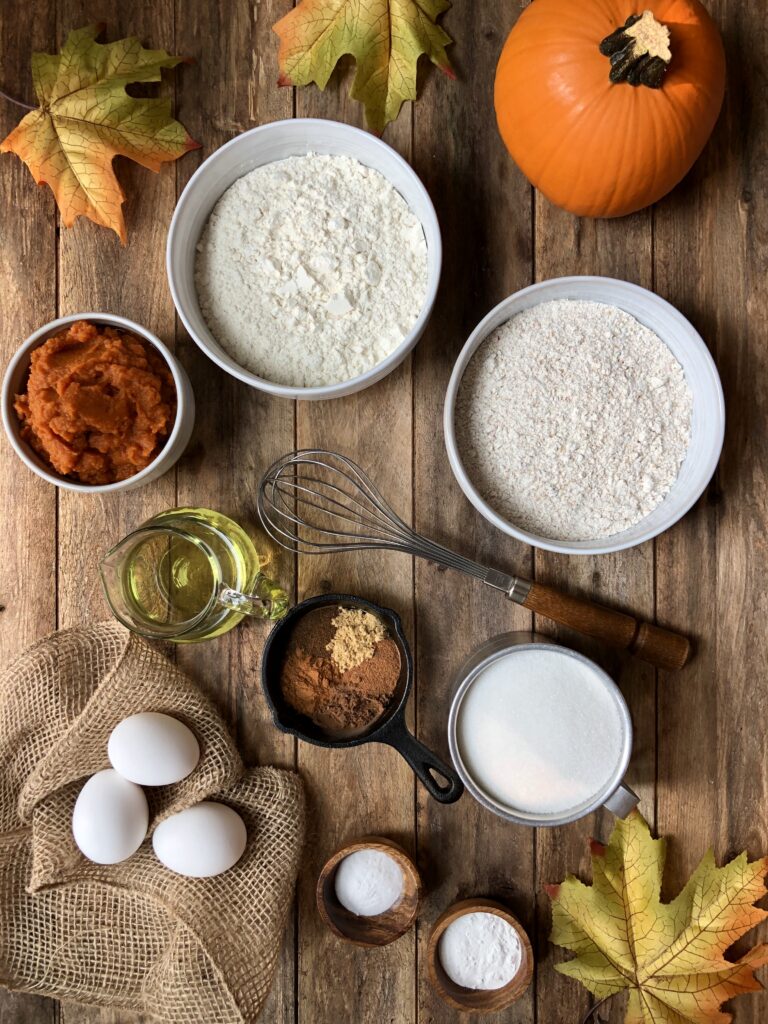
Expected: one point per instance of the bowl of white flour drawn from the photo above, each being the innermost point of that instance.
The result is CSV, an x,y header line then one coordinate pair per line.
x,y
304,258
584,415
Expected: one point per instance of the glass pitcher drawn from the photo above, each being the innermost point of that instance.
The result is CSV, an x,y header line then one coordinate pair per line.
x,y
188,574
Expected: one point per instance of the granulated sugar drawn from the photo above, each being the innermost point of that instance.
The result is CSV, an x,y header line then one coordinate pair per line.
x,y
540,733
573,420
311,270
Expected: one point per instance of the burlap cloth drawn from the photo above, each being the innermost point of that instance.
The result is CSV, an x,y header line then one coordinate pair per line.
x,y
132,935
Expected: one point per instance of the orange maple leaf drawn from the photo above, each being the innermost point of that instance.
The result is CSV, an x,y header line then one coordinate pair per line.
x,y
86,119
669,956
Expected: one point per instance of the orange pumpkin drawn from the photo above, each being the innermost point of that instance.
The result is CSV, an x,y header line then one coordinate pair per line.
x,y
603,110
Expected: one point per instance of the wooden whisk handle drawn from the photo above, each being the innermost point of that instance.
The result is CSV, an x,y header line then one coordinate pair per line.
x,y
651,643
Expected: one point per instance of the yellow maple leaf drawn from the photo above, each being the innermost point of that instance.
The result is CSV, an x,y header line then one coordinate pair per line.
x,y
386,38
86,119
670,956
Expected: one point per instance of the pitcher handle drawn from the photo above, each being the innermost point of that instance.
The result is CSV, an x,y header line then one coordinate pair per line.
x,y
267,601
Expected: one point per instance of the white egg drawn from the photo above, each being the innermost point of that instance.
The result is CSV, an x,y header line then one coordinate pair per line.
x,y
110,818
152,749
201,841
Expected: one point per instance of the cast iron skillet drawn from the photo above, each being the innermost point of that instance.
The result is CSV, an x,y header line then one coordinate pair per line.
x,y
390,728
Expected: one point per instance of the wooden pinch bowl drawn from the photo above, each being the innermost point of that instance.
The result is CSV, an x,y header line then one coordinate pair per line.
x,y
470,1000
383,928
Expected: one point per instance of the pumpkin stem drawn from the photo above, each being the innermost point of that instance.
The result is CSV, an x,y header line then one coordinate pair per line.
x,y
639,51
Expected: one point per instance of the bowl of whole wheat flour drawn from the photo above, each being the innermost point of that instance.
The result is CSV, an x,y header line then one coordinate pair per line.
x,y
304,258
584,415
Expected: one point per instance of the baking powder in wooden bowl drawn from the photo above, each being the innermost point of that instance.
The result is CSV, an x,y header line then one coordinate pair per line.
x,y
480,951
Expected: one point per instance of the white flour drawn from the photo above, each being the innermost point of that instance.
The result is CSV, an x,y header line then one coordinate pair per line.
x,y
368,882
573,420
480,951
311,270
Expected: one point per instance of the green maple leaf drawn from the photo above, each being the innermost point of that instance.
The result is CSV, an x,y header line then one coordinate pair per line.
x,y
386,38
670,956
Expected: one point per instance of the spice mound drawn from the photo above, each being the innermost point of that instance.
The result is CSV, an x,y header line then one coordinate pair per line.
x,y
99,403
340,668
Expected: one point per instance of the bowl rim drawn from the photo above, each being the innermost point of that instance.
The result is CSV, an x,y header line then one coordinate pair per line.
x,y
434,259
605,545
38,338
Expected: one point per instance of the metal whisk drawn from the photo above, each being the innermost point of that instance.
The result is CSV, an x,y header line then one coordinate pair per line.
x,y
319,502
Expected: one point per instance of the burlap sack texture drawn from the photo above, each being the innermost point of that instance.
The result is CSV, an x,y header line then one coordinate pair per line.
x,y
132,935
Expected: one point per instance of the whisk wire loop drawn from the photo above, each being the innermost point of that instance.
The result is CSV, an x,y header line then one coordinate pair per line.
x,y
329,514
302,485
362,482
315,501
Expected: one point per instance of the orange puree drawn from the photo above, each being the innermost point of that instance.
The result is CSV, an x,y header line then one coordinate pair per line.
x,y
99,405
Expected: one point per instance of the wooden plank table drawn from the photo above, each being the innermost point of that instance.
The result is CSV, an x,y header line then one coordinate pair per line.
x,y
701,760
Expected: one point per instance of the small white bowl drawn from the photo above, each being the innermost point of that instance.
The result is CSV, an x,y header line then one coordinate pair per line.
x,y
264,145
685,343
15,380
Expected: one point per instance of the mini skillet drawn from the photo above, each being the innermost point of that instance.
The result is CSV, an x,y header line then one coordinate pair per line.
x,y
390,728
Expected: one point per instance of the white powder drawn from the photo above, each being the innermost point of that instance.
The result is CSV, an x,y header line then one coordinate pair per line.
x,y
480,951
573,420
540,733
311,270
368,882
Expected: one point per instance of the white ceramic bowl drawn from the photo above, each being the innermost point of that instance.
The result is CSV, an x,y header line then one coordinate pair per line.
x,y
264,145
708,422
15,381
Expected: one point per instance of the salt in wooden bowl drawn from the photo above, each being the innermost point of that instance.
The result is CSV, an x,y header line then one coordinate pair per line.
x,y
380,929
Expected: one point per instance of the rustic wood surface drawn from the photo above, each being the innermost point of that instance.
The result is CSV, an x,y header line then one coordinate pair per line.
x,y
700,761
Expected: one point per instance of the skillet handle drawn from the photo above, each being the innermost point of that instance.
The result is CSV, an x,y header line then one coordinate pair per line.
x,y
425,764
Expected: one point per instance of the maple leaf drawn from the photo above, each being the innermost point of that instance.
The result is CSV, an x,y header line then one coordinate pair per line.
x,y
386,38
86,119
670,956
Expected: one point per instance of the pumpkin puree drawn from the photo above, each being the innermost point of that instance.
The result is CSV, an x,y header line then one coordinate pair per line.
x,y
99,404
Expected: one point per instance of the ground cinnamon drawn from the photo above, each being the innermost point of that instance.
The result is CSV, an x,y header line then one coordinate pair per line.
x,y
314,685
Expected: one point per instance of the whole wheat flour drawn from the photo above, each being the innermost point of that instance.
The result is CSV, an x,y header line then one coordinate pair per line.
x,y
311,270
573,420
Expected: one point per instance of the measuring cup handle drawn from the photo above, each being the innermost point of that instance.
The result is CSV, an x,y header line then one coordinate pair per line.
x,y
425,764
622,802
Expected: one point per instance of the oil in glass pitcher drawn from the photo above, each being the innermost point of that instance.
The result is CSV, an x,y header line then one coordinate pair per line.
x,y
188,574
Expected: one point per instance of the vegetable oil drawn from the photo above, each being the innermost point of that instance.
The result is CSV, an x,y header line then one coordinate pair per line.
x,y
189,574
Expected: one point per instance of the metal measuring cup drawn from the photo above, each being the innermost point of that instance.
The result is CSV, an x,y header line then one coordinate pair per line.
x,y
441,781
615,795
